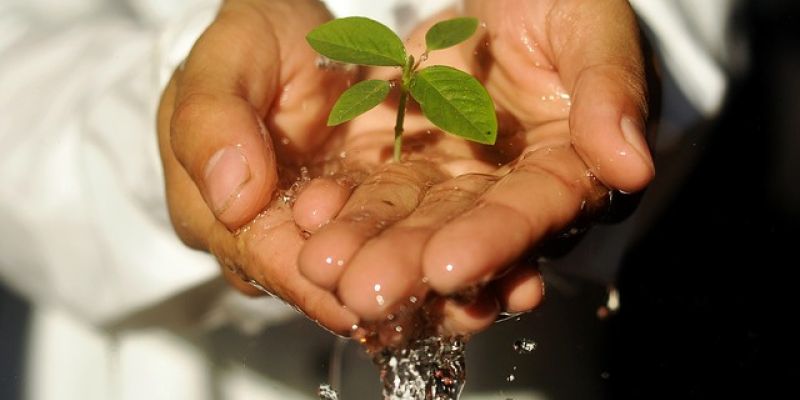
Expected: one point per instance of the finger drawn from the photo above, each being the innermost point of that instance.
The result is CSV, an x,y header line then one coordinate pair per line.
x,y
465,319
521,290
226,155
388,269
542,193
265,254
384,198
599,58
319,202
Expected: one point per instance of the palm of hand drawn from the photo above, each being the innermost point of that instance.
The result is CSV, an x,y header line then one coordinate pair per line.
x,y
456,215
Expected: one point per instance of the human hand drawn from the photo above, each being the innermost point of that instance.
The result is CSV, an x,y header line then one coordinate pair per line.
x,y
568,80
236,123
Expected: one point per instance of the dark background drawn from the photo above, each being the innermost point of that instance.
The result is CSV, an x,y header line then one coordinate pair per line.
x,y
711,293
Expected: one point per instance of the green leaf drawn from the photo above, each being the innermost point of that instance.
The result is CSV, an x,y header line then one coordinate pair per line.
x,y
358,40
456,102
358,99
450,33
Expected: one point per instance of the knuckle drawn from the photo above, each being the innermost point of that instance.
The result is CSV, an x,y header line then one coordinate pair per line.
x,y
188,111
561,165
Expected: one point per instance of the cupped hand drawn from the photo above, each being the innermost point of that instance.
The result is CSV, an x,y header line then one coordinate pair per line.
x,y
238,119
456,219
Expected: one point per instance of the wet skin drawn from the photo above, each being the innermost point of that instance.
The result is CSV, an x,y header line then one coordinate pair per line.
x,y
567,79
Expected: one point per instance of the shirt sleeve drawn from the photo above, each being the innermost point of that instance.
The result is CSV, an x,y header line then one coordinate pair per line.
x,y
83,219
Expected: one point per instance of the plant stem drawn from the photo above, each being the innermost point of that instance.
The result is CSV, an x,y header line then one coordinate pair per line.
x,y
408,70
398,126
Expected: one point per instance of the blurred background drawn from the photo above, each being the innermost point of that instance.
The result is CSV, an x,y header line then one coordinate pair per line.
x,y
708,296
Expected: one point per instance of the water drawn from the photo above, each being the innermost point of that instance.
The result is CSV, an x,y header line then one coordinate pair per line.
x,y
289,195
425,369
524,346
326,392
612,304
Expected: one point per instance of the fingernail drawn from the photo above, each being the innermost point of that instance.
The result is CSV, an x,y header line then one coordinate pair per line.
x,y
635,137
226,173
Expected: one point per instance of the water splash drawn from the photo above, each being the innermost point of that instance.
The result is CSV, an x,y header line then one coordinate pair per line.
x,y
326,392
525,346
289,195
426,369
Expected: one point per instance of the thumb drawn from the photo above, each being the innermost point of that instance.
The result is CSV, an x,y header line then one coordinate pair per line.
x,y
216,130
600,60
218,140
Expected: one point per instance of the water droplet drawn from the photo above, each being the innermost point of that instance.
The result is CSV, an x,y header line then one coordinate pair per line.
x,y
511,378
525,346
449,267
329,260
377,287
605,375
326,392
413,299
525,38
613,299
262,129
398,329
611,306
380,300
288,196
340,262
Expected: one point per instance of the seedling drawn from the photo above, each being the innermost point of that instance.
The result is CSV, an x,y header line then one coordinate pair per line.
x,y
452,99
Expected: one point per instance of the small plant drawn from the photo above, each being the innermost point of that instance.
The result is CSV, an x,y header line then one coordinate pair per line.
x,y
453,100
